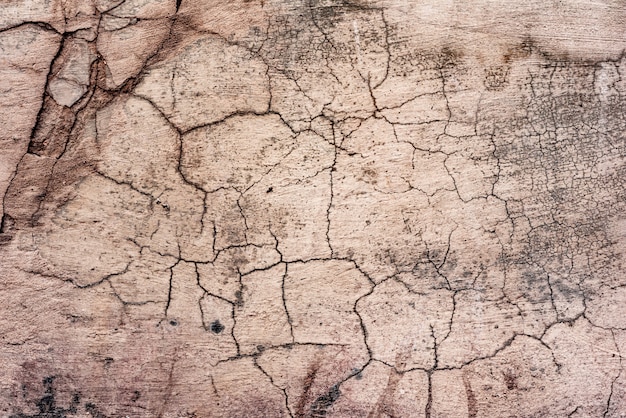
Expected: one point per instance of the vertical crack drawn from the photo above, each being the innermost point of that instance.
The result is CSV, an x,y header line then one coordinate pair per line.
x,y
289,320
283,390
330,203
429,401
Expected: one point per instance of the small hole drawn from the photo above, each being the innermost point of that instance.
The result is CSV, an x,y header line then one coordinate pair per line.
x,y
217,327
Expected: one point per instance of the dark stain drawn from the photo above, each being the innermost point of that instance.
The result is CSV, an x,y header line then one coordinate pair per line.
x,y
496,77
217,327
93,410
5,238
306,388
7,224
238,298
47,403
370,175
510,380
522,50
472,404
321,404
173,323
270,190
136,396
53,126
383,405
527,46
449,58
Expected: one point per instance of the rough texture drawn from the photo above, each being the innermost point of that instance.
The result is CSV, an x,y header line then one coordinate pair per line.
x,y
309,208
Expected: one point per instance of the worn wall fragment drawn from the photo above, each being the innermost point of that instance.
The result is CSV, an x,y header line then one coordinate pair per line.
x,y
312,208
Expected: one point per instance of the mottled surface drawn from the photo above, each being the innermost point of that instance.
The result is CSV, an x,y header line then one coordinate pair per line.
x,y
312,208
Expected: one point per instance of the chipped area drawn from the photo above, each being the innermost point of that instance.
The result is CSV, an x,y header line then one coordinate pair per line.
x,y
312,208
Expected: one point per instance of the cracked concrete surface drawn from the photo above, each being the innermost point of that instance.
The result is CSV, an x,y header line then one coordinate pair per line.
x,y
258,208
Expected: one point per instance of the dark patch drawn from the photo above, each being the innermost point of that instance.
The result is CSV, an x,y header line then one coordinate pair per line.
x,y
496,77
270,190
47,403
52,129
449,58
306,388
173,323
238,298
383,405
510,380
370,175
5,238
93,410
7,223
321,404
136,396
217,327
472,404
522,50
182,31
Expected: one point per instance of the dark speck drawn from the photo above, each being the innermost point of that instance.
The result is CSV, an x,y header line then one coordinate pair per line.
x,y
217,327
270,190
173,323
136,396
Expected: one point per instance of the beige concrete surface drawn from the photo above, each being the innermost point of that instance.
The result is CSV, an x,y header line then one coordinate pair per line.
x,y
312,208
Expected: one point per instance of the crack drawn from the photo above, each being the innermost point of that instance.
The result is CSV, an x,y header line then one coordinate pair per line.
x,y
44,95
435,346
615,379
130,185
283,390
330,203
433,257
73,280
40,24
429,399
362,325
237,113
284,299
260,350
169,289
